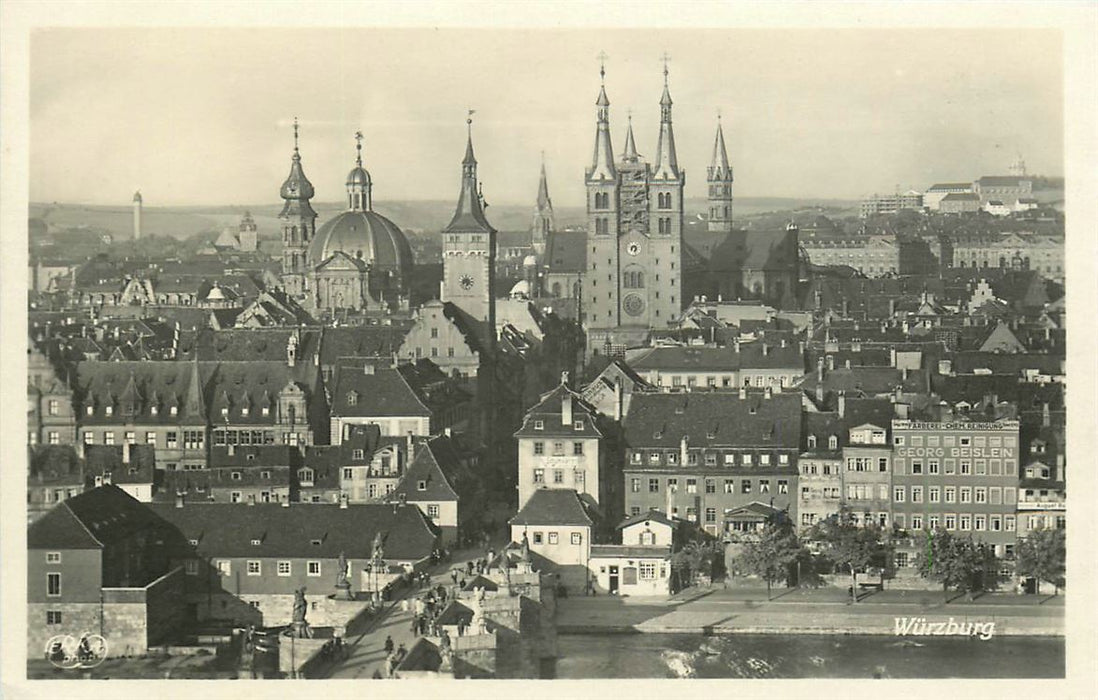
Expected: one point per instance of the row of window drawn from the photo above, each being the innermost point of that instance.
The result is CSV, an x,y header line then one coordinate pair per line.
x,y
956,441
554,537
558,448
192,439
52,438
964,467
747,459
866,464
992,495
128,410
664,200
576,425
964,522
746,485
579,477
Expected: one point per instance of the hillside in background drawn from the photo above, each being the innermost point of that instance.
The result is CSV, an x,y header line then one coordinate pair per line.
x,y
418,218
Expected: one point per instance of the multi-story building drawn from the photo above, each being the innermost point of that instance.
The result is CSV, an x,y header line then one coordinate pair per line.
x,y
557,524
934,194
1017,251
50,417
870,255
891,203
560,447
756,364
961,475
820,483
702,455
867,476
1006,188
959,203
253,473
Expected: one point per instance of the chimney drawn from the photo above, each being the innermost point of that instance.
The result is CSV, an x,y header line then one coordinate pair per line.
x,y
901,411
251,499
830,363
743,393
846,307
178,499
126,453
736,345
847,363
768,392
945,367
566,408
783,342
906,328
448,432
343,500
842,404
683,444
766,349
800,347
1046,415
618,406
232,450
106,478
903,374
820,370
892,352
411,446
368,368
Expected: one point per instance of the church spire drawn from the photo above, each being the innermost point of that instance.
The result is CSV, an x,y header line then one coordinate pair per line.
x,y
718,167
602,162
543,188
667,163
469,214
630,155
297,186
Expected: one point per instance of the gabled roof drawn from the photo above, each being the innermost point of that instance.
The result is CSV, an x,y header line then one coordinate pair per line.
x,y
714,419
652,515
678,359
426,469
549,410
553,507
360,341
91,520
300,530
108,459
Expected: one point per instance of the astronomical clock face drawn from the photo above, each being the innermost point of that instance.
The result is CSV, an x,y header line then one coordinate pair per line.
x,y
466,282
633,248
633,305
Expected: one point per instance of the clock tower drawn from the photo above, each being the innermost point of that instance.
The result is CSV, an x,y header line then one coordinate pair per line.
x,y
469,249
298,223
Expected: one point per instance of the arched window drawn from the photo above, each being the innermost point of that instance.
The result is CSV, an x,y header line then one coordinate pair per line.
x,y
833,442
811,441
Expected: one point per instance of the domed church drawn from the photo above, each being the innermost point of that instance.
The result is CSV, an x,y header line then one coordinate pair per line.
x,y
357,261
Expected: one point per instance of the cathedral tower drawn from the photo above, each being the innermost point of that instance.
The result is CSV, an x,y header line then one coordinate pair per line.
x,y
600,283
543,214
719,178
298,223
469,249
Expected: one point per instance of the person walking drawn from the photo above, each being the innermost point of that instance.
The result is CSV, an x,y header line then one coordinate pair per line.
x,y
388,645
463,584
454,575
401,653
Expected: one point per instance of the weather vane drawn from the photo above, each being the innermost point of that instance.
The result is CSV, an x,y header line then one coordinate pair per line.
x,y
666,58
358,145
295,134
602,65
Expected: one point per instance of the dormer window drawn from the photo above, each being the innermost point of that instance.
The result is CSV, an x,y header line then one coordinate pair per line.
x,y
110,410
577,425
153,410
225,411
193,543
421,485
833,442
91,409
811,441
244,411
265,474
352,398
357,454
256,542
174,411
539,425
306,476
315,543
266,411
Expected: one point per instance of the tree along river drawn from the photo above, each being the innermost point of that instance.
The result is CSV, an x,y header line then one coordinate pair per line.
x,y
806,656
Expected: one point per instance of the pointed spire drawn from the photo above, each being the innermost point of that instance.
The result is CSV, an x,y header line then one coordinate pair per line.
x,y
602,161
469,214
543,188
630,154
667,162
718,167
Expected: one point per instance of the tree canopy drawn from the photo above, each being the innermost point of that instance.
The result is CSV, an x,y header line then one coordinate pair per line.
x,y
1042,554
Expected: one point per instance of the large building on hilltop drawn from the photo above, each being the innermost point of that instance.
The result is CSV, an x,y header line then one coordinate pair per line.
x,y
357,261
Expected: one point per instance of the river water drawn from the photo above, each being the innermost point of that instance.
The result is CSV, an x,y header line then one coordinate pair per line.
x,y
805,656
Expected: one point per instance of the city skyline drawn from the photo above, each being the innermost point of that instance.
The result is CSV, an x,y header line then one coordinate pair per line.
x,y
196,134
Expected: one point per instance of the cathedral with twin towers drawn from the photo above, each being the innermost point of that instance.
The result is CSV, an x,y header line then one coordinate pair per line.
x,y
630,271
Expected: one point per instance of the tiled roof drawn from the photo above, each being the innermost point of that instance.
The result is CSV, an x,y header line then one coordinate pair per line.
x,y
408,390
54,464
90,520
360,341
1002,180
950,186
652,515
549,411
687,358
566,251
426,469
103,459
714,419
553,507
961,197
254,456
249,345
300,530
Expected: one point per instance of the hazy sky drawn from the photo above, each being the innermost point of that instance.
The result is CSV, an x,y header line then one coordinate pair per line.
x,y
202,116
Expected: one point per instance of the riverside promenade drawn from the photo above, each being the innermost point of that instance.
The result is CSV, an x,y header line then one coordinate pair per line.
x,y
792,611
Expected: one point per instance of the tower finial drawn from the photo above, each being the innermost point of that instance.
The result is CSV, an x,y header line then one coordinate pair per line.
x,y
602,67
295,134
666,59
358,146
718,114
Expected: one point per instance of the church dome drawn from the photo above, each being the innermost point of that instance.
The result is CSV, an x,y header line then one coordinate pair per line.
x,y
366,235
358,177
529,261
521,290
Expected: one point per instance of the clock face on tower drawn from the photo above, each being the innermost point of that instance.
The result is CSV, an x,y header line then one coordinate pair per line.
x,y
633,248
466,282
